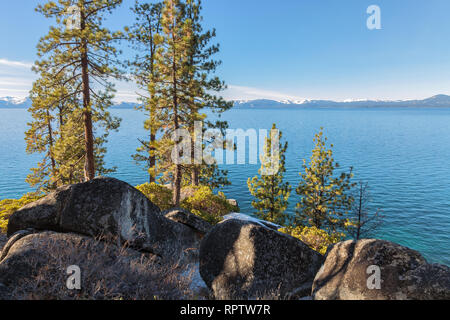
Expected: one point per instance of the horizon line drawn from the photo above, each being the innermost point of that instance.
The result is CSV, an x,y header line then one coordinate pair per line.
x,y
21,99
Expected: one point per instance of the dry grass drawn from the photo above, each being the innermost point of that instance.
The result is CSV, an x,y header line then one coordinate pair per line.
x,y
107,272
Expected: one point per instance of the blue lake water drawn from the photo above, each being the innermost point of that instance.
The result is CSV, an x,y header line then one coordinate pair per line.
x,y
403,153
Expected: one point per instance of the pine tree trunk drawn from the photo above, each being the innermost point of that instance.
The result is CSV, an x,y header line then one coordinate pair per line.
x,y
50,148
89,166
178,169
152,156
195,176
61,122
152,149
177,186
152,159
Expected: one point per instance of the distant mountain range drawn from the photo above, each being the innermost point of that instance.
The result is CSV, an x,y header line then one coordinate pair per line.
x,y
14,103
25,103
437,101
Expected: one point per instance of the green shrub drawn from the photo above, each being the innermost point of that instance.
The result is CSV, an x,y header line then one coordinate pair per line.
x,y
207,205
317,239
201,201
159,195
9,206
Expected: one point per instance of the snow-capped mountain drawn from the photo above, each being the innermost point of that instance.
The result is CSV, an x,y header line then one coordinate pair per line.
x,y
14,102
125,105
25,103
435,101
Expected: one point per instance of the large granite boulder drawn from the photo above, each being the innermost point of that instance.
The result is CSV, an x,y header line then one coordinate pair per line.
x,y
3,240
110,209
13,239
244,260
351,268
35,266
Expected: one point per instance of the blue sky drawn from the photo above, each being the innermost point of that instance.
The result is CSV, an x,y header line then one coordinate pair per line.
x,y
293,49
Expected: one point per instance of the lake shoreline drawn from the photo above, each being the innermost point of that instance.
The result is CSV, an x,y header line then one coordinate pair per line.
x,y
399,152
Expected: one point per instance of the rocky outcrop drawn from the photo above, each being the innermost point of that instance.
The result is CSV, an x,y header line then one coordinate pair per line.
x,y
28,253
242,260
3,241
141,249
349,273
107,208
13,239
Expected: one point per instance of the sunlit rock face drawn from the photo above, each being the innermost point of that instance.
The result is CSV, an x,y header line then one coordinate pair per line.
x,y
110,209
243,260
379,270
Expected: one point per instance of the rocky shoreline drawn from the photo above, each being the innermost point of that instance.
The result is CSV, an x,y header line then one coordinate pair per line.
x,y
106,225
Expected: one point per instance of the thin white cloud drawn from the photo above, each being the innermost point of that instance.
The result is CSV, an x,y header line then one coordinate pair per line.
x,y
16,82
123,96
248,93
15,64
128,92
16,78
15,93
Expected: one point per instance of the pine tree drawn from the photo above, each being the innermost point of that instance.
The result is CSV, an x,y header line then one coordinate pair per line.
x,y
203,88
183,85
45,133
210,175
206,171
80,48
325,199
144,35
172,70
41,138
271,193
57,132
69,149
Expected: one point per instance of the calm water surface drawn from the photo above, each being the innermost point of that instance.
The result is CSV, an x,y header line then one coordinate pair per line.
x,y
404,154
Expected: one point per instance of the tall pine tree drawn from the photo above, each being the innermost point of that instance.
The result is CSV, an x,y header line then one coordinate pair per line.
x,y
47,133
79,47
144,35
183,83
57,133
325,199
171,74
41,137
271,192
203,89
